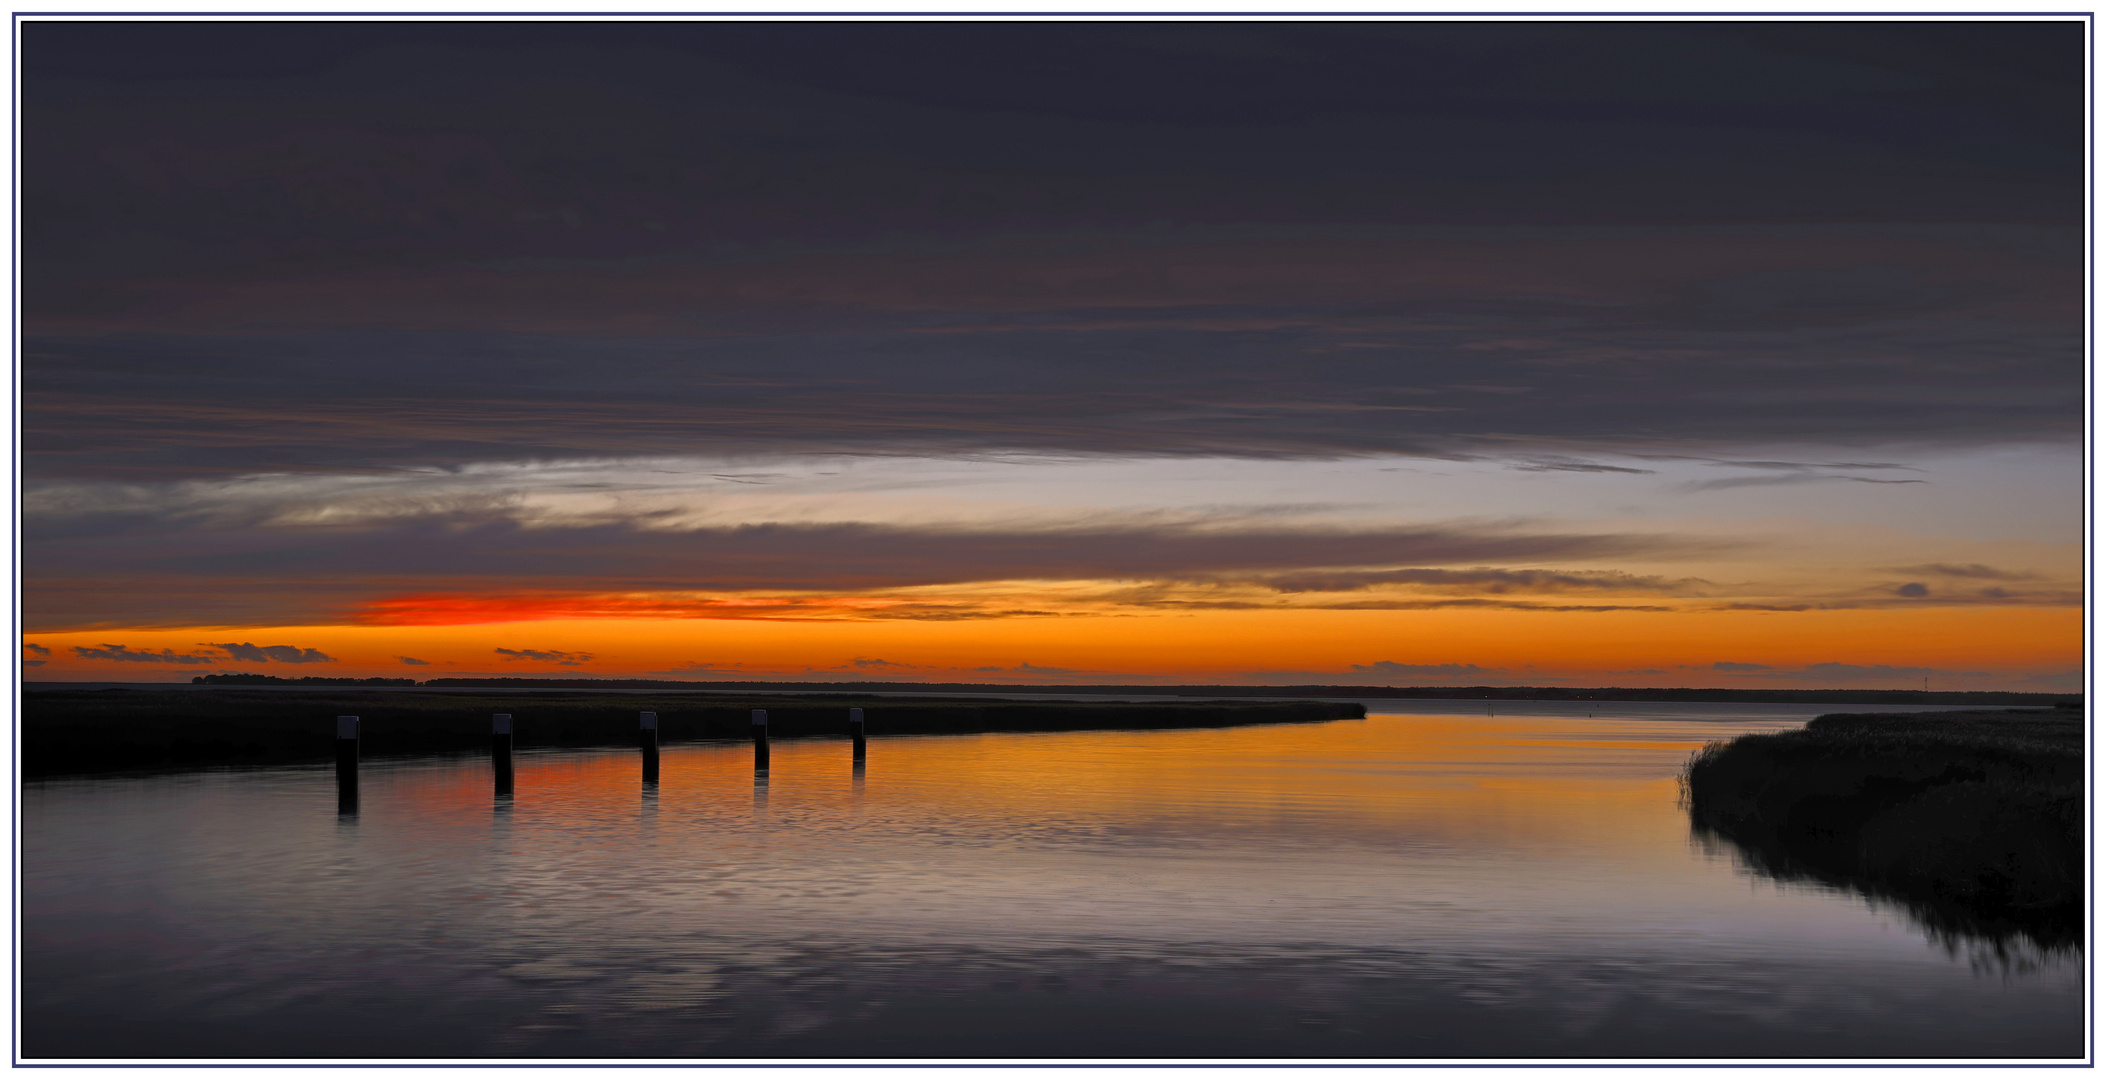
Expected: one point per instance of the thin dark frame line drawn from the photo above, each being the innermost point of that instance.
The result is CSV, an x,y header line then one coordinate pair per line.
x,y
1182,16
2091,448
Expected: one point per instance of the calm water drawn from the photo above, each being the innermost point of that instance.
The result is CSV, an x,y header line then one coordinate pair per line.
x,y
1422,884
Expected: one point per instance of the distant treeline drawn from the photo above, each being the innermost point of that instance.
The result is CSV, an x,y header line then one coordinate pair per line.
x,y
1493,693
85,731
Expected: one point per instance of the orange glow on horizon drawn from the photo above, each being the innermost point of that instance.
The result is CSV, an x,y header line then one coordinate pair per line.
x,y
1274,645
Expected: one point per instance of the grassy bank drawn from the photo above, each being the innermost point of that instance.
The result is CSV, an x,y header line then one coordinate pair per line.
x,y
1971,820
86,731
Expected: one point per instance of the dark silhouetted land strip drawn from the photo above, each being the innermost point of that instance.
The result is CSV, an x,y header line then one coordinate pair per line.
x,y
86,731
1434,693
1431,693
1973,821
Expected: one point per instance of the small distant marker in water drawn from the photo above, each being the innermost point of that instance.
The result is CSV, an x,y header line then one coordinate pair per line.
x,y
760,738
647,740
855,731
501,751
347,764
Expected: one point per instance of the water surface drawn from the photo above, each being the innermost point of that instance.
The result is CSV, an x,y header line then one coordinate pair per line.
x,y
1429,882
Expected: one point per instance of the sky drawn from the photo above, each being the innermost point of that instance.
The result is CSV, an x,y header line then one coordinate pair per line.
x,y
1386,353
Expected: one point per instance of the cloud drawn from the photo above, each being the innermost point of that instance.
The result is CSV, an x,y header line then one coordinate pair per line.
x,y
1783,473
103,405
557,656
2071,681
1295,197
1316,252
1969,570
413,661
1574,465
258,654
1488,579
1807,466
1913,590
1857,672
873,664
1389,672
1028,669
1834,673
33,647
1390,668
699,667
1408,605
1787,479
130,656
468,567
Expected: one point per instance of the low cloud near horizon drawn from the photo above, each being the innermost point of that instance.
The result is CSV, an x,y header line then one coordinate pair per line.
x,y
556,656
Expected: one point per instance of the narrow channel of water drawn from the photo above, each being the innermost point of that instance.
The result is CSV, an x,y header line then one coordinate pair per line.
x,y
1429,882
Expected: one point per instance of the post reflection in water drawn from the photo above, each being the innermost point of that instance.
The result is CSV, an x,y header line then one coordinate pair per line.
x,y
1400,887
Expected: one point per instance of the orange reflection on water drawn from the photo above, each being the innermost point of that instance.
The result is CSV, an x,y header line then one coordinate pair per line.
x,y
1473,783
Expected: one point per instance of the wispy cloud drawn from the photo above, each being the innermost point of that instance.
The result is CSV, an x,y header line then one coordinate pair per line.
x,y
124,655
697,668
284,654
1392,669
489,568
1490,580
1969,570
1557,464
1839,674
1787,479
1786,473
1028,669
556,656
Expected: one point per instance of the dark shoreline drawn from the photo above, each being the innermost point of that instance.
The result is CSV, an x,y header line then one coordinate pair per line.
x,y
86,732
1970,821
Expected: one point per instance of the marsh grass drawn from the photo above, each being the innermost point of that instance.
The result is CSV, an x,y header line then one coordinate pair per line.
x,y
1970,821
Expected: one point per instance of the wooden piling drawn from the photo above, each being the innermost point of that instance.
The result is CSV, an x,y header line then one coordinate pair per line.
x,y
855,731
347,764
501,751
760,738
647,740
